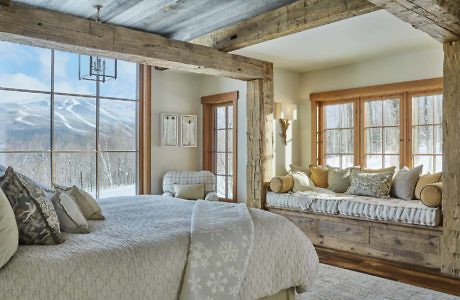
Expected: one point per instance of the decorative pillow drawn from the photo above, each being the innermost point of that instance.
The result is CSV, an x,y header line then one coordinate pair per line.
x,y
35,215
295,168
432,195
369,184
404,182
9,235
2,171
338,180
189,191
282,184
87,204
70,217
302,182
319,176
424,181
384,170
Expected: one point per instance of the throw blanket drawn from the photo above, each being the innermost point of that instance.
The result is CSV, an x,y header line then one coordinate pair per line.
x,y
220,247
140,252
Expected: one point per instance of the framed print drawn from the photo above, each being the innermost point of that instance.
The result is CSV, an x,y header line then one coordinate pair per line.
x,y
189,136
169,130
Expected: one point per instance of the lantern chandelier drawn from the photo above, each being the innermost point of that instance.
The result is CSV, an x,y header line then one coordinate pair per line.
x,y
96,68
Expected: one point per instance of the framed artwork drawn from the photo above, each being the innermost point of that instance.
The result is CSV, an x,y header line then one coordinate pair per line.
x,y
189,136
169,130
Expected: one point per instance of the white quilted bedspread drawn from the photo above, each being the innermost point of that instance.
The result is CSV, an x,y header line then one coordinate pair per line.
x,y
140,252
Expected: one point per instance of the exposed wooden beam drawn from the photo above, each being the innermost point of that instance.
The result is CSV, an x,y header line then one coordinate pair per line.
x,y
295,17
450,245
439,18
259,114
5,2
45,28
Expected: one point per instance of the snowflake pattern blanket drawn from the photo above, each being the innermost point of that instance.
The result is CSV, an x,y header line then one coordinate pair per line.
x,y
220,247
140,251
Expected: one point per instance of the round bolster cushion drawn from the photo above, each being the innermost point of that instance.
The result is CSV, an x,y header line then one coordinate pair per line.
x,y
432,195
281,184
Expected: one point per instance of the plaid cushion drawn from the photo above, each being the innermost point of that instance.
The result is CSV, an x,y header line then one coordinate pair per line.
x,y
189,177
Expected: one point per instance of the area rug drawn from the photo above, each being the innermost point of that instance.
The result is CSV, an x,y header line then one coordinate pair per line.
x,y
337,284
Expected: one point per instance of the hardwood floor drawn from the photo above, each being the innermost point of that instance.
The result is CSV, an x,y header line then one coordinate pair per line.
x,y
415,275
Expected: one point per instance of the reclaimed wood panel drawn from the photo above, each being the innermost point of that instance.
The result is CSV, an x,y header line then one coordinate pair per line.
x,y
450,248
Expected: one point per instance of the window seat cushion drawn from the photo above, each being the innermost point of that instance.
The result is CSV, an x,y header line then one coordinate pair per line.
x,y
395,210
305,201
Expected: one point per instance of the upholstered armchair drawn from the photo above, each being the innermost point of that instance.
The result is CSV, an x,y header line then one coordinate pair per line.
x,y
191,177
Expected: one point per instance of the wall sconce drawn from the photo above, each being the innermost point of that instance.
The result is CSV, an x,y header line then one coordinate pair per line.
x,y
285,112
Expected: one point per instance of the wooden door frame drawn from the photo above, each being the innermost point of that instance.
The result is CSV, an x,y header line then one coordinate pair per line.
x,y
209,103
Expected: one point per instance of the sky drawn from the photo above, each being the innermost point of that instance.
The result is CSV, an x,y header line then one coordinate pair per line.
x,y
27,67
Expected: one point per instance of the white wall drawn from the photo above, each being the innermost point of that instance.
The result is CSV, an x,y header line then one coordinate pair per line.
x,y
211,85
174,92
397,68
286,90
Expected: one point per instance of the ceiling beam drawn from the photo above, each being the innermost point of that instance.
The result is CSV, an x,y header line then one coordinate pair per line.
x,y
295,17
439,18
5,2
45,28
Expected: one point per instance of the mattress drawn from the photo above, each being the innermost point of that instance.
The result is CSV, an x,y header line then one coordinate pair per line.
x,y
314,201
140,252
395,210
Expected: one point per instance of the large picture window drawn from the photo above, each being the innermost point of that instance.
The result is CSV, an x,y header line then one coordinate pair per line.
x,y
58,129
376,127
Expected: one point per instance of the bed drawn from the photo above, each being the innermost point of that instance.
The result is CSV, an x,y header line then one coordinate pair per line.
x,y
141,252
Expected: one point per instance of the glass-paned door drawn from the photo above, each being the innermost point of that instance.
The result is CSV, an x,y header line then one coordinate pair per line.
x,y
223,150
427,132
382,131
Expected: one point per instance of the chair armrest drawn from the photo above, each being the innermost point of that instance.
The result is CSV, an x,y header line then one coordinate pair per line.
x,y
211,196
167,194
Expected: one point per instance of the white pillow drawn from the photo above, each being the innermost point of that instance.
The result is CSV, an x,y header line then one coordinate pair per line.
x,y
70,217
9,235
302,182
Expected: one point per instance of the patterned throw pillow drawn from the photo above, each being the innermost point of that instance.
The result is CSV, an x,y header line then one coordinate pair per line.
x,y
87,204
70,217
369,184
36,218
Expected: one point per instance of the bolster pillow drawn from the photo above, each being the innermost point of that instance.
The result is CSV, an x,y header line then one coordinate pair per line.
x,y
431,195
281,184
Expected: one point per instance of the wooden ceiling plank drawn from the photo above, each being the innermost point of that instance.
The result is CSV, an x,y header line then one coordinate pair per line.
x,y
45,28
295,17
5,2
438,18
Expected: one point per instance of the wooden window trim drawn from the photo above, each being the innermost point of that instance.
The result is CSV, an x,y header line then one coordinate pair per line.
x,y
402,90
209,103
145,130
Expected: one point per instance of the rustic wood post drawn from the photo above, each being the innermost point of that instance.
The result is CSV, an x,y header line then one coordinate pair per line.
x,y
259,135
450,245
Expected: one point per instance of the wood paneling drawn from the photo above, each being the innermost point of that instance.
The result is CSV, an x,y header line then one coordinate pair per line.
x,y
259,106
44,28
415,275
295,17
145,130
439,18
418,245
451,163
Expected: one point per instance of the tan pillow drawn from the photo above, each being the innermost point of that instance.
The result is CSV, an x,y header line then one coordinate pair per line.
x,y
424,181
9,234
384,170
87,204
432,195
295,168
281,184
189,191
319,176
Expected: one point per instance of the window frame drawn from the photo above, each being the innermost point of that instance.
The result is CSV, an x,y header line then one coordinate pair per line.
x,y
51,151
209,121
402,90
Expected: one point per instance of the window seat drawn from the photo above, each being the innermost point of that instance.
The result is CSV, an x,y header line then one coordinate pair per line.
x,y
394,210
392,229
